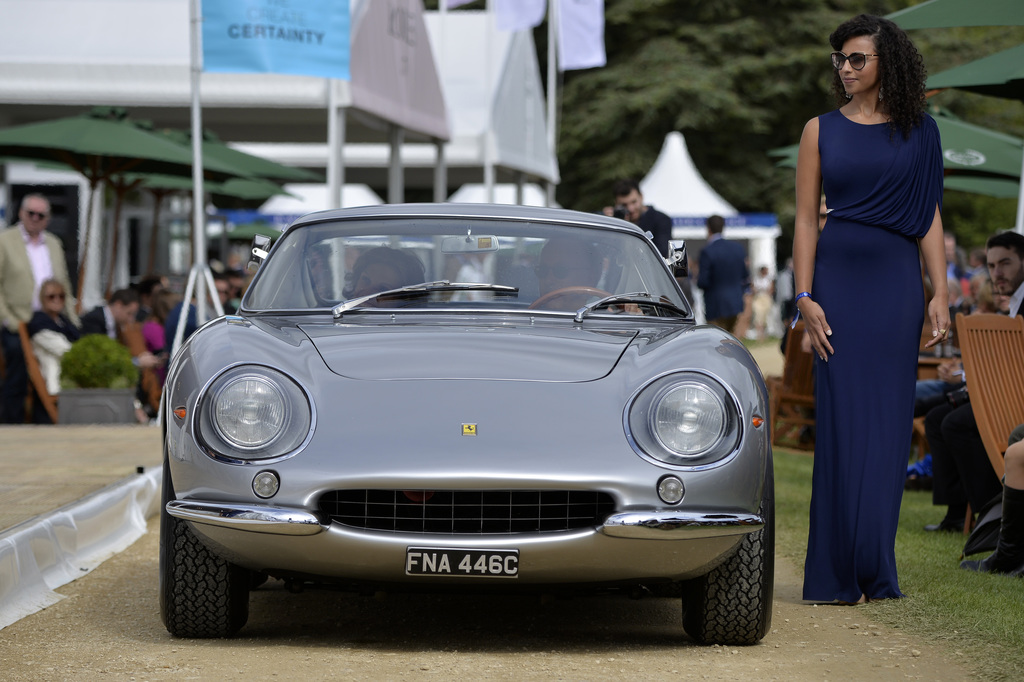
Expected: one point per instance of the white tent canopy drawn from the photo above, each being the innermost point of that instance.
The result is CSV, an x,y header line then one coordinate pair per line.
x,y
674,186
307,198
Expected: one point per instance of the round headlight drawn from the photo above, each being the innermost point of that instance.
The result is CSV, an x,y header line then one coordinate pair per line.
x,y
249,412
688,418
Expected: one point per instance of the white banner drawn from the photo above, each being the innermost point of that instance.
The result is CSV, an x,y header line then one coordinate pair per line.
x,y
518,15
580,34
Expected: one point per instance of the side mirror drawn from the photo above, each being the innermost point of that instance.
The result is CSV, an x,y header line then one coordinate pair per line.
x,y
676,259
258,252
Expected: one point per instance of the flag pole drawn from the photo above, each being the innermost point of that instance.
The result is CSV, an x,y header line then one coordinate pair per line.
x,y
552,92
199,276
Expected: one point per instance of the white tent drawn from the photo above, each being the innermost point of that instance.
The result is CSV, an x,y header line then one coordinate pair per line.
x,y
307,198
504,193
675,186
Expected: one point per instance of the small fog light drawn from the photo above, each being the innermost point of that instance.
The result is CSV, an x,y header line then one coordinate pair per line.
x,y
670,490
265,484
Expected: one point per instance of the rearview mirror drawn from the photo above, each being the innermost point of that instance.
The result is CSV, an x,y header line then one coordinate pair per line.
x,y
469,244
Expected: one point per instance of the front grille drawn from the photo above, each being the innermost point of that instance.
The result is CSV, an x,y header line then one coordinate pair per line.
x,y
467,511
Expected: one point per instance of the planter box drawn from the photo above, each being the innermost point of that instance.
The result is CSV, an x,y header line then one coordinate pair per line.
x,y
96,406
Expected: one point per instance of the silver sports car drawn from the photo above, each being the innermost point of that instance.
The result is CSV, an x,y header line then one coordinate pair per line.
x,y
464,397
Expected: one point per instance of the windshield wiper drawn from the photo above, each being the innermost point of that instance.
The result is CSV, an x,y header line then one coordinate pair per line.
x,y
422,289
640,298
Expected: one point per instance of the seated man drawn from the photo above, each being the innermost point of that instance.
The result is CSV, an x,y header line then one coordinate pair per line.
x,y
962,469
1009,555
382,269
568,275
117,319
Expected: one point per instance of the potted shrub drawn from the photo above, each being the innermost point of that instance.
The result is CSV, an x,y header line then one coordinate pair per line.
x,y
98,382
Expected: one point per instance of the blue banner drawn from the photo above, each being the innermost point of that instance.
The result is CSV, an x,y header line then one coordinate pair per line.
x,y
298,37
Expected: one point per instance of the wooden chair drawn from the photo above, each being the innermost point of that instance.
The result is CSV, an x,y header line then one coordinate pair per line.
x,y
36,382
792,396
992,348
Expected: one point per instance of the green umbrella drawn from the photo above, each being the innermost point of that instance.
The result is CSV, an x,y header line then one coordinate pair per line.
x,y
161,186
101,145
247,165
254,166
998,75
952,13
247,231
254,189
966,149
1001,188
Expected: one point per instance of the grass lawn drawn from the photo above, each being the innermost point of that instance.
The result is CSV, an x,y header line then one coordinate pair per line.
x,y
979,617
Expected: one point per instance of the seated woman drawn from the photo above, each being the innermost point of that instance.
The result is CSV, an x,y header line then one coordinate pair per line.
x,y
52,334
382,269
153,330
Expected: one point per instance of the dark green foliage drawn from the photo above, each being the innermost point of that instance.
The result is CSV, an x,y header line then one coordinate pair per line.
x,y
98,361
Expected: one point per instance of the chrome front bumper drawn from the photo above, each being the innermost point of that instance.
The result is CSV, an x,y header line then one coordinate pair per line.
x,y
638,525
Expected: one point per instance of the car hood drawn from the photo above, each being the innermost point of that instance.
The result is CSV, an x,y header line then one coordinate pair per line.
x,y
529,353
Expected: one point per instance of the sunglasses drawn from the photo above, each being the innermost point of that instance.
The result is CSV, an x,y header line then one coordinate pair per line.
x,y
51,297
556,271
36,215
858,60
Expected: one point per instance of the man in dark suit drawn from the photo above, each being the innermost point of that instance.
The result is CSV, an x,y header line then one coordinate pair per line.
x,y
110,317
723,276
962,472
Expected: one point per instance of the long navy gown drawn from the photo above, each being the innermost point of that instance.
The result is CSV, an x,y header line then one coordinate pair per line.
x,y
882,192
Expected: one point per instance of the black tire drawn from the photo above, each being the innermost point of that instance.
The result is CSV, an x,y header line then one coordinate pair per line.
x,y
201,595
733,603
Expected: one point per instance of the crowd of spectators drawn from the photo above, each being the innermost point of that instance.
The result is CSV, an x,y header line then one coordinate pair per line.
x,y
35,290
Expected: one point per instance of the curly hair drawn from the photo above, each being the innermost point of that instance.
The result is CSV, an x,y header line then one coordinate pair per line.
x,y
901,69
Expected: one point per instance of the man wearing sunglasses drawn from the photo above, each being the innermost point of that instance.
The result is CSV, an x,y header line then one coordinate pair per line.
x,y
29,255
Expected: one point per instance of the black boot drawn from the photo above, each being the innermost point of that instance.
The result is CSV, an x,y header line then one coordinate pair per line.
x,y
1009,555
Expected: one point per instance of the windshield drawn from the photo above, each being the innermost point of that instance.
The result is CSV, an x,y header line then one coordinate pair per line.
x,y
549,267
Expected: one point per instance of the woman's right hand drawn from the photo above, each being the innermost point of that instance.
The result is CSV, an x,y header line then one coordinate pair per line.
x,y
816,327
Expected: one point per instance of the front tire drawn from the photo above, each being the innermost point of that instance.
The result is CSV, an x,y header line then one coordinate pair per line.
x,y
201,595
732,604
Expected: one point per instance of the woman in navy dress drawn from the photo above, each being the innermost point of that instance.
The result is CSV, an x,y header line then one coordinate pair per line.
x,y
878,160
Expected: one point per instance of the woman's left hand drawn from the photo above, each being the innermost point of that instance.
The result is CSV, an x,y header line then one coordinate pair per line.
x,y
938,313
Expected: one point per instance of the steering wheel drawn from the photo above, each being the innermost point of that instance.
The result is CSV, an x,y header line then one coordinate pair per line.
x,y
568,291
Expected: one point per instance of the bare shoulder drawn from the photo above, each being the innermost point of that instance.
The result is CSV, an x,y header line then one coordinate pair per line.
x,y
810,131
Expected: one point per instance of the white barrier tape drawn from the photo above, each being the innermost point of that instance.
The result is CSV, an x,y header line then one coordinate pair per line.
x,y
40,555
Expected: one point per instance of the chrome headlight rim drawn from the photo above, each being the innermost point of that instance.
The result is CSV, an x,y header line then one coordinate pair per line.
x,y
693,387
297,431
639,415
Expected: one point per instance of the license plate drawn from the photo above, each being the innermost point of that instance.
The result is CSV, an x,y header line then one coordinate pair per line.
x,y
490,563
